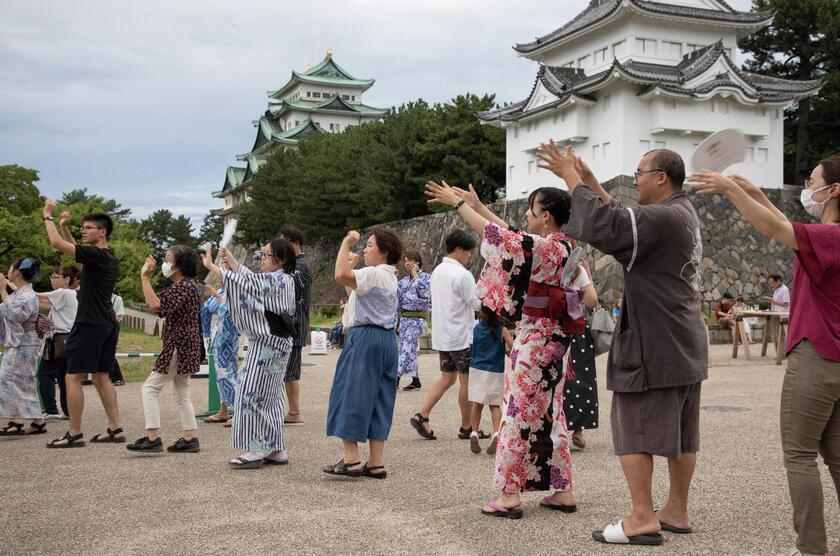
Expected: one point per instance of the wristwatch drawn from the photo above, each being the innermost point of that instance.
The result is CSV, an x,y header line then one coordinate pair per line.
x,y
50,218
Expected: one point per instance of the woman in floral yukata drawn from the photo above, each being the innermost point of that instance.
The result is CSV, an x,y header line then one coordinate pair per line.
x,y
224,341
253,299
521,281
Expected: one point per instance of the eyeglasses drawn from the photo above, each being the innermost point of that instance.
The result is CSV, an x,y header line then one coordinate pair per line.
x,y
260,255
638,173
56,276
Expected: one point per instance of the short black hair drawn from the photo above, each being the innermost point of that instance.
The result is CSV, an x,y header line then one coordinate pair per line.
x,y
102,220
727,295
186,259
556,202
671,163
459,238
389,242
282,250
776,277
291,234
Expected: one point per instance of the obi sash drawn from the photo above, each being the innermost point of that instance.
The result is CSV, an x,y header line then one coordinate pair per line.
x,y
555,303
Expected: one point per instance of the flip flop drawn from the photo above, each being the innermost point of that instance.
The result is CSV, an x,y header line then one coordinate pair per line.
x,y
242,463
215,419
674,529
501,511
552,504
228,424
614,534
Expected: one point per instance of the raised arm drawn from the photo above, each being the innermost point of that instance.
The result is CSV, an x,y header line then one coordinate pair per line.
x,y
762,218
758,196
471,198
149,295
56,241
66,217
43,300
345,261
444,194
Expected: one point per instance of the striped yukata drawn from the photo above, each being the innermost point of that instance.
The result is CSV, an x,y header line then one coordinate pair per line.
x,y
259,404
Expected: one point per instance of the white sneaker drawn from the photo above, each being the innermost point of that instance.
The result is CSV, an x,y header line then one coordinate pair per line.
x,y
52,417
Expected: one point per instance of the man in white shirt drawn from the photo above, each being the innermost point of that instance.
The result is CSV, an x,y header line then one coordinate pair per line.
x,y
780,302
454,304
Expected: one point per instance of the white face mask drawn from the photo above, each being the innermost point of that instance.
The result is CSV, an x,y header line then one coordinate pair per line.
x,y
167,270
812,207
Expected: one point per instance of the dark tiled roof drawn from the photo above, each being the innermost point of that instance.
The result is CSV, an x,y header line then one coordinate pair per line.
x,y
565,83
598,10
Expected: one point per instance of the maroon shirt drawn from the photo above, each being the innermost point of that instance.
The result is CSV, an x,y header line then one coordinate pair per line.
x,y
815,303
180,305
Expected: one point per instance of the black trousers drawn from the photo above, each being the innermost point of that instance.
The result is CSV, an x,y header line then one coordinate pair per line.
x,y
50,373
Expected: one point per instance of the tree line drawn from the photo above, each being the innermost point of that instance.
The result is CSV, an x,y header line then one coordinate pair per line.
x,y
22,231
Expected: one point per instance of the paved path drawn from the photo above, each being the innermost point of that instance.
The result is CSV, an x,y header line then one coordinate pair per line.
x,y
102,500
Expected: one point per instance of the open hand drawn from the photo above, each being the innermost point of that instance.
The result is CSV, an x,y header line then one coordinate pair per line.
x,y
148,267
207,258
752,189
582,168
469,197
708,182
561,162
66,218
441,193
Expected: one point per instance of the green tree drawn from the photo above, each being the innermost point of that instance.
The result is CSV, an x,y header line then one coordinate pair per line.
x,y
163,230
18,193
211,230
803,43
80,198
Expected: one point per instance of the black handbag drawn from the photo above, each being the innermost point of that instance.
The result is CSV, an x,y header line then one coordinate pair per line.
x,y
282,325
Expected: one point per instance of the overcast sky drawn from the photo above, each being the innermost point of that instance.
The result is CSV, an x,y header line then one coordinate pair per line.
x,y
148,102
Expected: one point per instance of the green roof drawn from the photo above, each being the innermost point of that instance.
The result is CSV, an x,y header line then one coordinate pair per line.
x,y
269,135
332,105
327,72
234,176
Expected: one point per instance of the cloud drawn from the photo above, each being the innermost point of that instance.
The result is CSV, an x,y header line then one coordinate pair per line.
x,y
137,100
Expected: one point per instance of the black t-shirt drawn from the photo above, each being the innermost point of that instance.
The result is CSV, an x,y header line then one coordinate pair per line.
x,y
99,277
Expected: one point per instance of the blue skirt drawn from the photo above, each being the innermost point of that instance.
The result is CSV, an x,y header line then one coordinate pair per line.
x,y
364,387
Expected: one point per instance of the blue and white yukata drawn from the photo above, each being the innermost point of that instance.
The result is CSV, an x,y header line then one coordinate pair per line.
x,y
259,402
224,341
364,387
18,393
413,295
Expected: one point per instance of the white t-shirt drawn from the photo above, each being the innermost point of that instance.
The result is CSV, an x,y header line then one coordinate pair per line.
x,y
582,280
374,300
119,306
454,304
781,294
63,312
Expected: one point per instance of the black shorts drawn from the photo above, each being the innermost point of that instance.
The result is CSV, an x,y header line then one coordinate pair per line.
x,y
293,367
91,348
455,361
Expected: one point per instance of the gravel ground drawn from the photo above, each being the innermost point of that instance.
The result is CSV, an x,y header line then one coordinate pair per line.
x,y
102,500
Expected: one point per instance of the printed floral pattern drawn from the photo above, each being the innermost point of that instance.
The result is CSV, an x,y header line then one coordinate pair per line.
x,y
533,452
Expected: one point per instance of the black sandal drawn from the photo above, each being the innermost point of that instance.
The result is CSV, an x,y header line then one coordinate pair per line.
x,y
73,441
36,429
343,469
464,433
417,422
8,429
112,437
368,471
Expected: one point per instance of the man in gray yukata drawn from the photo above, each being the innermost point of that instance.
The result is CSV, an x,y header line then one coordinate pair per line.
x,y
659,354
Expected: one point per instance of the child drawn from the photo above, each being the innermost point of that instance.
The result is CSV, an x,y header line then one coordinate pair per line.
x,y
491,341
741,306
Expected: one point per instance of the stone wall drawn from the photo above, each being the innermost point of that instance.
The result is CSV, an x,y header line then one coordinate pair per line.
x,y
736,258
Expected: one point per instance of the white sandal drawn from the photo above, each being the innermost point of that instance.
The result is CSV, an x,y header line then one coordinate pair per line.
x,y
614,534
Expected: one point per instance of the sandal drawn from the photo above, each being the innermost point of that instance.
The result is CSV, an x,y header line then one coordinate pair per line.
x,y
464,433
112,437
244,463
417,422
343,469
36,428
73,441
500,511
552,504
368,471
216,419
12,429
483,435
